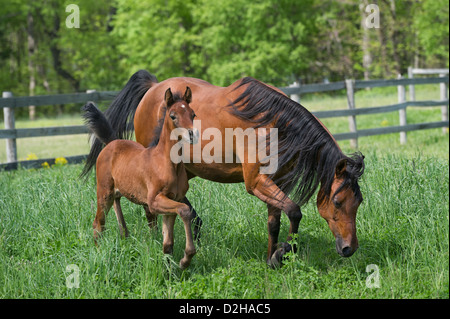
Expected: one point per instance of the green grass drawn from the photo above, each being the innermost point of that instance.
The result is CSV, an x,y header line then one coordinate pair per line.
x,y
46,224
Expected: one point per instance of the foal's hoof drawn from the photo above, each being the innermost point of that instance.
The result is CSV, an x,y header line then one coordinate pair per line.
x,y
276,261
184,264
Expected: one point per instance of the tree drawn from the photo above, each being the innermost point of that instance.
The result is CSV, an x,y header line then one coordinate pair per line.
x,y
432,25
155,35
43,56
264,39
219,41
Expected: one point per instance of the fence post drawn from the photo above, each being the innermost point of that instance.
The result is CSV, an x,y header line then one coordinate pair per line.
x,y
349,85
11,146
444,108
295,97
402,112
412,89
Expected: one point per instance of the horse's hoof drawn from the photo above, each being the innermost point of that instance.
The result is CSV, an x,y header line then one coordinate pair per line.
x,y
276,261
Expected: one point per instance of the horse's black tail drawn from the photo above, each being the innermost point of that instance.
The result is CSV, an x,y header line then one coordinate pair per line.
x,y
120,114
96,121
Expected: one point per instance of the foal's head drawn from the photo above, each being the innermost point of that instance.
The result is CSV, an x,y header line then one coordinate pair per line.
x,y
181,116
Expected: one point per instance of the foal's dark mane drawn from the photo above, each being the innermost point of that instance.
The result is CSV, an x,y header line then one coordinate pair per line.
x,y
307,153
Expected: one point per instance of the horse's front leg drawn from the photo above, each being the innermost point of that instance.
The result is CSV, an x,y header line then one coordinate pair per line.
x,y
266,190
273,228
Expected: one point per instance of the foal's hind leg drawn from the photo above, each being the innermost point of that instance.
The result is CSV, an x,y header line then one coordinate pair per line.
x,y
152,219
119,215
104,203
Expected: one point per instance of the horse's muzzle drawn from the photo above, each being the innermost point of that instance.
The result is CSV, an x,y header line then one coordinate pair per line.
x,y
345,249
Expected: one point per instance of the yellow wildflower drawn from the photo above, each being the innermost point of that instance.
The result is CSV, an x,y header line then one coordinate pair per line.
x,y
384,123
60,161
45,165
31,156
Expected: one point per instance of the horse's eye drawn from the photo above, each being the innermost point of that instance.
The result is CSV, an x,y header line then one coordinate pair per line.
x,y
337,204
172,116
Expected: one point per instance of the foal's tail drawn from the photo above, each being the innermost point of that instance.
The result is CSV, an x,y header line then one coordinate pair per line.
x,y
96,121
120,114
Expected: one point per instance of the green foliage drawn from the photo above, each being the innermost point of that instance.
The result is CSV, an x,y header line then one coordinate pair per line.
x,y
154,35
433,31
264,39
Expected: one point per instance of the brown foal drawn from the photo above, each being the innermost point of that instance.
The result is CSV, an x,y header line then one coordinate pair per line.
x,y
146,176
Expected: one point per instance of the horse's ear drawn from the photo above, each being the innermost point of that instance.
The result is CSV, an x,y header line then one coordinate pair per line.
x,y
341,167
188,95
168,97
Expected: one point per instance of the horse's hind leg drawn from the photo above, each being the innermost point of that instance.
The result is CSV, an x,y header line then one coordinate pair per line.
x,y
168,223
119,215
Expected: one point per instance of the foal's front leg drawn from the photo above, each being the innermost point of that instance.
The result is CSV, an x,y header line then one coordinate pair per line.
x,y
163,205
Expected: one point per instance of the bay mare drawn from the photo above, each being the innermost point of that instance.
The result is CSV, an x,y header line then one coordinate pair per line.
x,y
308,155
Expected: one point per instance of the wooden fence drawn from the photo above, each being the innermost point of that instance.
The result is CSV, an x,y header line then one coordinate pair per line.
x,y
414,71
401,106
10,133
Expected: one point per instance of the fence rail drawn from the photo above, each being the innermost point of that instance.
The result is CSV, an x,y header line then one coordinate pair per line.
x,y
41,100
10,133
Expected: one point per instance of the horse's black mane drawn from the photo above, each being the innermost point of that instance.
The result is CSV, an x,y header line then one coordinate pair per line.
x,y
307,153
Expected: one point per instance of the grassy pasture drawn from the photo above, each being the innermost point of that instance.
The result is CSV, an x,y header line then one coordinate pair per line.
x,y
46,225
403,228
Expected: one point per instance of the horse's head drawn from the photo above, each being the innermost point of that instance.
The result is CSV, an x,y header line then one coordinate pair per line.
x,y
181,116
339,207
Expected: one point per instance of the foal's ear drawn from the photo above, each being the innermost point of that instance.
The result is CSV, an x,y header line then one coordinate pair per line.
x,y
341,167
168,97
188,95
